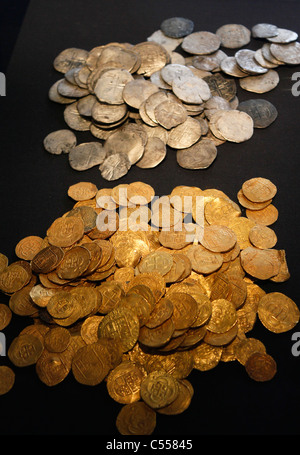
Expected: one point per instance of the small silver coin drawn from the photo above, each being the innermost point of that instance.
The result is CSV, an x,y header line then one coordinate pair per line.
x,y
115,166
86,155
264,31
199,156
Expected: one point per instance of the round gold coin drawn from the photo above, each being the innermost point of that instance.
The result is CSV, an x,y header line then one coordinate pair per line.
x,y
7,379
277,312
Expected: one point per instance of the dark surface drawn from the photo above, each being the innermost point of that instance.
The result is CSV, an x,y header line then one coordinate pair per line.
x,y
34,187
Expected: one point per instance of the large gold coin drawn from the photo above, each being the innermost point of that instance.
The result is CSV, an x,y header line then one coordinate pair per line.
x,y
277,312
124,383
159,389
91,364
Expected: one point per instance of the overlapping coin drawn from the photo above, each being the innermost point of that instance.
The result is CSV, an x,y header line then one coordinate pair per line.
x,y
135,291
178,89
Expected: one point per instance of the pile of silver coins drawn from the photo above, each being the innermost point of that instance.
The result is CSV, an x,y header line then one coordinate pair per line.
x,y
177,90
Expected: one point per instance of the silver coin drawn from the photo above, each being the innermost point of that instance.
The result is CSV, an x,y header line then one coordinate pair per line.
x,y
233,36
60,141
56,97
74,120
85,105
166,41
173,72
210,62
262,112
191,90
245,59
86,155
266,53
260,84
115,166
262,61
154,153
201,43
177,27
287,53
264,31
70,58
284,36
66,88
199,156
229,66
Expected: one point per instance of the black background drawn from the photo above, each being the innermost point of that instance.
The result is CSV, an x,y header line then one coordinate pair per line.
x,y
33,188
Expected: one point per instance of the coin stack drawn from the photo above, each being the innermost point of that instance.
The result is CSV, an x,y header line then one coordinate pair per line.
x,y
136,291
177,89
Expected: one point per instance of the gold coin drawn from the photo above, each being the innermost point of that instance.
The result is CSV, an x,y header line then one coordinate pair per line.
x,y
262,237
5,316
89,329
182,402
61,305
124,383
277,312
7,379
25,350
121,324
245,348
82,191
64,232
14,277
90,365
136,419
266,216
223,316
52,367
206,357
261,367
159,389
259,189
57,339
261,264
3,262
28,247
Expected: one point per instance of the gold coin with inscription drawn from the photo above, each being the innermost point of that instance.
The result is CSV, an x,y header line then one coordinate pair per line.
x,y
91,365
28,247
65,231
261,367
159,389
277,312
124,383
5,316
25,350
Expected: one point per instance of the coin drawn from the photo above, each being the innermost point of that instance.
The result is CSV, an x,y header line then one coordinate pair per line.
x,y
191,90
28,247
234,125
277,312
154,153
25,350
115,166
262,237
259,189
136,419
261,264
261,111
287,53
233,36
86,155
245,59
177,27
263,30
5,316
199,156
283,36
159,389
200,43
7,379
61,141
260,84
90,364
261,367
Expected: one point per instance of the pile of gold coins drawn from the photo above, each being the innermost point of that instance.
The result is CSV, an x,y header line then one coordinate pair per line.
x,y
168,91
117,292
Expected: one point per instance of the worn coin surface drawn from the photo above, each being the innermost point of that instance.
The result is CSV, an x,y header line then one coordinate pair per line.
x,y
261,111
233,36
177,27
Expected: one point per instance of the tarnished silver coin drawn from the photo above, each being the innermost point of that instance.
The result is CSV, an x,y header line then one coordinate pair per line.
x,y
287,53
209,62
199,156
129,142
154,153
245,59
115,166
264,30
70,58
284,36
86,155
85,105
60,141
262,83
262,112
221,86
201,43
177,27
65,88
233,36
